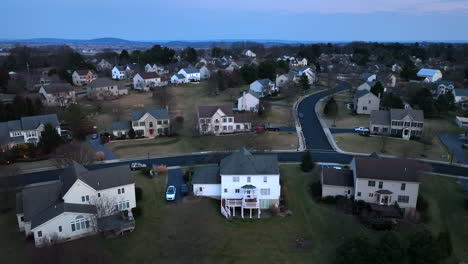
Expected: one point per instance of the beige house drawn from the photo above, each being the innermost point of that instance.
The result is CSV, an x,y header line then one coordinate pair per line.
x,y
151,123
405,123
58,94
222,120
375,180
83,77
365,102
105,89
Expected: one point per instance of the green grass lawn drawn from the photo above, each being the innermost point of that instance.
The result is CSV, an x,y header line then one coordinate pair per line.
x,y
194,231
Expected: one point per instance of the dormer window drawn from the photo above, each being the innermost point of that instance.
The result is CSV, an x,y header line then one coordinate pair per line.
x,y
150,124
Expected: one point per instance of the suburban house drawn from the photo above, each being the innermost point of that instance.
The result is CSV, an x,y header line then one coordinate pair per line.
x,y
250,53
178,78
103,65
366,86
121,128
283,79
105,89
242,181
302,62
368,77
429,75
308,72
26,130
145,81
405,123
263,87
119,72
159,69
396,68
191,74
222,120
151,123
58,94
389,80
249,101
232,67
205,73
365,102
375,180
441,87
83,77
79,204
461,97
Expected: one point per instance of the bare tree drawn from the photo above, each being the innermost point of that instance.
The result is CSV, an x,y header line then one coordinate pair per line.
x,y
105,206
290,91
383,143
73,151
427,138
162,96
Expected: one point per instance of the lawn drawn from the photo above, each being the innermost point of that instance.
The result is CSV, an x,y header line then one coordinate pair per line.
x,y
393,146
344,118
194,230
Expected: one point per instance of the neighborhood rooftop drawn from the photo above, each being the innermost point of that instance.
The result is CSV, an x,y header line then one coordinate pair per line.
x,y
336,177
388,169
207,175
156,113
242,162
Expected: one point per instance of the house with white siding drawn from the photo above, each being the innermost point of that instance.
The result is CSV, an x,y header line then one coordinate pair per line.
x,y
404,123
191,74
178,78
83,77
429,75
81,203
150,123
58,94
145,81
243,181
249,101
263,87
221,119
205,73
375,180
119,72
250,54
365,102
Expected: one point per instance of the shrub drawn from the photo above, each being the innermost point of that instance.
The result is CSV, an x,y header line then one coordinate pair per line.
x,y
274,210
100,156
146,171
137,211
131,133
316,190
138,194
188,176
329,199
179,119
422,205
307,163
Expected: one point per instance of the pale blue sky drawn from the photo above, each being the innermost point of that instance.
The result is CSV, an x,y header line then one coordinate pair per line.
x,y
311,20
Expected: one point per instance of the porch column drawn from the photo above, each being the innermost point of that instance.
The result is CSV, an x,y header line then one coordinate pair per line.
x,y
242,212
250,212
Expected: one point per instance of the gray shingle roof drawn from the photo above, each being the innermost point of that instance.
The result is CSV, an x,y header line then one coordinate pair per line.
x,y
207,175
338,177
361,93
398,114
102,82
180,76
242,162
460,92
366,75
388,169
380,117
38,197
121,125
58,209
264,82
156,113
191,70
33,122
55,88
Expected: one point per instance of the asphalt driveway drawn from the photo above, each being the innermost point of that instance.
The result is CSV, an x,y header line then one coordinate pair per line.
x,y
174,177
454,144
96,146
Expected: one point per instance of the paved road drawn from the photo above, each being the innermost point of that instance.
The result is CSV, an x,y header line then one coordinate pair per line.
x,y
96,146
454,143
175,177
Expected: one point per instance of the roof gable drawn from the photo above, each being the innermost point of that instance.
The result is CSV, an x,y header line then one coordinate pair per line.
x,y
242,162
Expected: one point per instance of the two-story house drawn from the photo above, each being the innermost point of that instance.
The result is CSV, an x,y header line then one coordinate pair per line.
x,y
26,130
58,94
405,123
283,79
249,101
151,123
79,204
159,69
105,89
249,53
83,77
242,181
365,102
191,74
442,87
119,72
263,87
145,81
375,180
429,75
221,119
103,65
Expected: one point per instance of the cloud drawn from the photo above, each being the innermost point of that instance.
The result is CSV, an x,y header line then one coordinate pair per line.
x,y
333,6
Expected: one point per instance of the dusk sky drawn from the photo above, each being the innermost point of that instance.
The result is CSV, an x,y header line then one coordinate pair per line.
x,y
310,20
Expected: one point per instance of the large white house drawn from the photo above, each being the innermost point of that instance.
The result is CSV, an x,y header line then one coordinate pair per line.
x,y
150,123
221,119
145,81
191,74
430,75
263,87
119,72
26,130
375,180
242,181
249,101
80,203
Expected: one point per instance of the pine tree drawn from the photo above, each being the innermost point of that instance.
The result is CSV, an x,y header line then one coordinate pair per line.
x,y
307,163
50,139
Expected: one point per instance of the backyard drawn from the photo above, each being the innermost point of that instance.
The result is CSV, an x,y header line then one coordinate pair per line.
x,y
195,231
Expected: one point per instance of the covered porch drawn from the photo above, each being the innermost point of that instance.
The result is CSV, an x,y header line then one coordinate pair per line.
x,y
384,197
117,224
248,202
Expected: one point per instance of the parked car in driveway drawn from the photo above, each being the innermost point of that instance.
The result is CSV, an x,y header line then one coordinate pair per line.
x,y
272,128
137,166
258,128
171,193
361,129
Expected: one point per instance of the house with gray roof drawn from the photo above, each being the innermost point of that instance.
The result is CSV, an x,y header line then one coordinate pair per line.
x,y
243,181
105,89
248,101
461,98
263,87
376,180
221,119
365,102
146,123
69,208
57,94
28,129
405,123
191,74
441,87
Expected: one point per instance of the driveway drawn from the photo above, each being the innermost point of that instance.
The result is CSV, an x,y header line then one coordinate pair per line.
x,y
341,130
96,146
174,177
454,144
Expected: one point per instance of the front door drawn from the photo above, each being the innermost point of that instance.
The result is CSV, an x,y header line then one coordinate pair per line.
x,y
151,131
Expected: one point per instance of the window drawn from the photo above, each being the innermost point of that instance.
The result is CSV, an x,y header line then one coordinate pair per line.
x,y
122,205
359,194
123,190
403,186
150,124
73,227
225,190
216,121
229,128
238,127
235,179
159,122
237,190
79,223
230,119
371,183
22,219
202,121
60,228
98,194
224,119
165,122
265,179
216,128
380,185
85,198
39,233
349,191
371,195
407,124
364,108
376,129
118,191
248,179
403,198
370,102
225,127
265,191
142,123
200,189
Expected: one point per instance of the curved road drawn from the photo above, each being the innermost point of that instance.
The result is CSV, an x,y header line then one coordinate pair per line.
x,y
316,142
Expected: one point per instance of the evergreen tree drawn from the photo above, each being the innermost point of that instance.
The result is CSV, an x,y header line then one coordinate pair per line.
x,y
408,71
377,89
131,133
307,163
304,81
50,139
